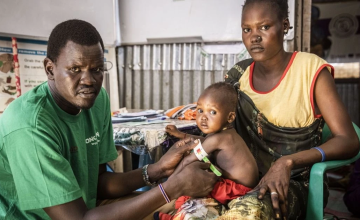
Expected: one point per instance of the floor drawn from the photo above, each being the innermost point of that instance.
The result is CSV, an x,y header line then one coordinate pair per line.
x,y
336,206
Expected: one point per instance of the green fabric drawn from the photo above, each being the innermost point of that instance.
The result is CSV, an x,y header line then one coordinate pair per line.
x,y
49,157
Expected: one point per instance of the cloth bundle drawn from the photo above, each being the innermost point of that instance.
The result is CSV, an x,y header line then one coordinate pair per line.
x,y
183,112
225,191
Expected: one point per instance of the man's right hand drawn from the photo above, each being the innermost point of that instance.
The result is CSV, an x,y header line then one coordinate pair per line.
x,y
193,180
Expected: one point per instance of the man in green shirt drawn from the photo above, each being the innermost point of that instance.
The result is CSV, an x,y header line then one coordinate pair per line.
x,y
56,139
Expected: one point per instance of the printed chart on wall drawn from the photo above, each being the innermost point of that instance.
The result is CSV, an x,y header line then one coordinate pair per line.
x,y
7,76
31,56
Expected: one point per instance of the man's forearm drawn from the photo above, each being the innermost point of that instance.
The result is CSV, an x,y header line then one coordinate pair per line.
x,y
134,208
114,185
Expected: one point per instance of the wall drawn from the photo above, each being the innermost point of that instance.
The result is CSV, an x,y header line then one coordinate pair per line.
x,y
178,21
36,18
349,91
175,64
161,76
336,28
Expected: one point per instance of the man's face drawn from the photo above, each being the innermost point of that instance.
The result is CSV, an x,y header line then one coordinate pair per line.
x,y
77,76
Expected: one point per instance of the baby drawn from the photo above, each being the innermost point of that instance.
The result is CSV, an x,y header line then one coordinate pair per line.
x,y
215,112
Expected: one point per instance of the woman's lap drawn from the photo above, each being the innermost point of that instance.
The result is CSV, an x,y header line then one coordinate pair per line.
x,y
248,207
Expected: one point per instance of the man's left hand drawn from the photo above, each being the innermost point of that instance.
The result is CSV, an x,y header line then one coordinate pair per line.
x,y
169,161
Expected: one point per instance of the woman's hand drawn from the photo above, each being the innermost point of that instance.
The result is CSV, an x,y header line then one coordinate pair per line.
x,y
276,181
169,161
173,131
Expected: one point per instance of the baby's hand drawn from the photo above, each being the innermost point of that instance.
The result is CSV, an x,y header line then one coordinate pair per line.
x,y
173,131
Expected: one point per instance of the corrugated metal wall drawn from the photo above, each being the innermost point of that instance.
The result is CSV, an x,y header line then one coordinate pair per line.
x,y
162,76
349,93
167,75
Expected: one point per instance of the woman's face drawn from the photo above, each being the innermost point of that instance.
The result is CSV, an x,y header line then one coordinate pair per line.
x,y
262,30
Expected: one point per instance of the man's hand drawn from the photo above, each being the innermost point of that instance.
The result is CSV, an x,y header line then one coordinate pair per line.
x,y
193,180
169,161
276,181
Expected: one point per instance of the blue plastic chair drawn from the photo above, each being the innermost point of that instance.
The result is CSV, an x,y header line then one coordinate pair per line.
x,y
315,206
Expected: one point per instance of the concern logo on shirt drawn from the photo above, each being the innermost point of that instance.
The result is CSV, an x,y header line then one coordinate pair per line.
x,y
93,140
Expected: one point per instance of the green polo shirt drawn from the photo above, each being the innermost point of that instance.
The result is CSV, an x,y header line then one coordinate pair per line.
x,y
49,157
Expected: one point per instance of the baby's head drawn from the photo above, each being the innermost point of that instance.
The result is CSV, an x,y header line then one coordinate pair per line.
x,y
216,107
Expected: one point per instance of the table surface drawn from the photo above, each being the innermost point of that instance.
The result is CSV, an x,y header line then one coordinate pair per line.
x,y
144,137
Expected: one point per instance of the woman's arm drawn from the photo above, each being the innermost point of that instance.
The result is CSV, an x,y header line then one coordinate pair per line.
x,y
343,145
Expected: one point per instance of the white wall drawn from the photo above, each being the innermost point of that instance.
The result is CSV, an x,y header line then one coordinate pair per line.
x,y
166,21
34,19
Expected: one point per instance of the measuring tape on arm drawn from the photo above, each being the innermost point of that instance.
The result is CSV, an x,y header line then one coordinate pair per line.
x,y
202,156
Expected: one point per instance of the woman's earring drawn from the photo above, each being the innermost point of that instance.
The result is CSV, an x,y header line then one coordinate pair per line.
x,y
285,32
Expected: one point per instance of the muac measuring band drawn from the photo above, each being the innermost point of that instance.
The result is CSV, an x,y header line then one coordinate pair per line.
x,y
202,155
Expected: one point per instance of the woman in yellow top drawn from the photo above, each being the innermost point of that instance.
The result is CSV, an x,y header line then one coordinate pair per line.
x,y
284,99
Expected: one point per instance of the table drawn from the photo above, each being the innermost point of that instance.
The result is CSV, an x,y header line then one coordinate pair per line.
x,y
145,138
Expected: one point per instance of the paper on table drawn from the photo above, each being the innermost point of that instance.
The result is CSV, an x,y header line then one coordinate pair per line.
x,y
131,123
138,114
128,119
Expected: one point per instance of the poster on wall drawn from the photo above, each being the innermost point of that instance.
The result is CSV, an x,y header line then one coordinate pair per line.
x,y
335,31
31,54
7,75
31,57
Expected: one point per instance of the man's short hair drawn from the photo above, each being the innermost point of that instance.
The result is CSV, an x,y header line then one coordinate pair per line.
x,y
78,31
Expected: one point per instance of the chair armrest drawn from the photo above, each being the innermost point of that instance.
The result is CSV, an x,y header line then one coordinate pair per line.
x,y
327,165
315,204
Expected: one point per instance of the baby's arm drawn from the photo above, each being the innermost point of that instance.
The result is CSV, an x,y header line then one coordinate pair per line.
x,y
173,131
210,145
236,162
